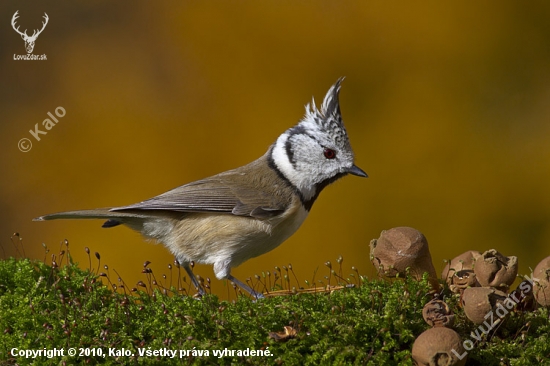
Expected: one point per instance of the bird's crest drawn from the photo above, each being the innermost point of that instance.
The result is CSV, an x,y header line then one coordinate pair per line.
x,y
328,118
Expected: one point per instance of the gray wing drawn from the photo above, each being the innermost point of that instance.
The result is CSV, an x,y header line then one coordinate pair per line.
x,y
215,194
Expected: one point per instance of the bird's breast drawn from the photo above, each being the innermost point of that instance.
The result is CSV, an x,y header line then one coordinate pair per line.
x,y
287,223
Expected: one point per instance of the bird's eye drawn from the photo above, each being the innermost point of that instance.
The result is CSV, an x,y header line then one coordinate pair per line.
x,y
329,153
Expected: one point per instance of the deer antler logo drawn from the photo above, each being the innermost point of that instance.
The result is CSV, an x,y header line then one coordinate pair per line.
x,y
29,40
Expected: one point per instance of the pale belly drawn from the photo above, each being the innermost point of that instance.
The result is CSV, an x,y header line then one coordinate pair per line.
x,y
227,240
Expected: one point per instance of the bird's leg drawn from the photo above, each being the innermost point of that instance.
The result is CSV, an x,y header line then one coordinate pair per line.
x,y
245,287
193,278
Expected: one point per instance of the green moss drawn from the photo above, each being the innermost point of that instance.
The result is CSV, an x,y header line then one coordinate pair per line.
x,y
374,323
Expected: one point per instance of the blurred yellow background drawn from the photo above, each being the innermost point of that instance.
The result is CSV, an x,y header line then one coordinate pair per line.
x,y
447,105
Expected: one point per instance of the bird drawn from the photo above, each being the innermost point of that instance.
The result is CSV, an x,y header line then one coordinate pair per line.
x,y
239,214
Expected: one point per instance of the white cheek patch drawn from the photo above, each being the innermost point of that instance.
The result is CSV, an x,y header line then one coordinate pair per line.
x,y
283,163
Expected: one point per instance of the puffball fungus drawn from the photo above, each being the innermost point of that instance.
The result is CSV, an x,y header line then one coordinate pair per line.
x,y
496,270
400,248
435,347
541,277
459,272
480,301
438,314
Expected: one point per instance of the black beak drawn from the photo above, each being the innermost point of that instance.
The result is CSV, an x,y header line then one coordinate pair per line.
x,y
355,170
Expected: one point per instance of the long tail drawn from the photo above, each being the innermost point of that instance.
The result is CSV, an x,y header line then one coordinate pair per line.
x,y
114,218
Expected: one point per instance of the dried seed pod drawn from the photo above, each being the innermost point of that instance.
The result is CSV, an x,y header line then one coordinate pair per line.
x,y
480,301
542,292
438,346
541,286
400,248
496,270
438,314
462,280
523,296
463,263
542,270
